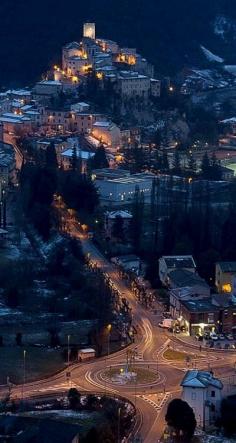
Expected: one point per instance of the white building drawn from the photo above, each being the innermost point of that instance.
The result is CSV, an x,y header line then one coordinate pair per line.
x,y
80,107
122,190
107,132
203,392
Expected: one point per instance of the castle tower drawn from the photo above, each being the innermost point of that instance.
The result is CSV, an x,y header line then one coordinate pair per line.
x,y
89,30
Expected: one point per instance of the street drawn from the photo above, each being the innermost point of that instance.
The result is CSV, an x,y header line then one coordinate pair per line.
x,y
150,344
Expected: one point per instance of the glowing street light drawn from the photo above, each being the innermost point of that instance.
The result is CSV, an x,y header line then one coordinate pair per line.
x,y
109,328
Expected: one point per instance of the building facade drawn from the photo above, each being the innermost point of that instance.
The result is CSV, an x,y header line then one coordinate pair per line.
x,y
203,392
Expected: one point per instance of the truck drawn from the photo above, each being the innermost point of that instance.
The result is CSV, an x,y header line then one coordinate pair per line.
x,y
166,323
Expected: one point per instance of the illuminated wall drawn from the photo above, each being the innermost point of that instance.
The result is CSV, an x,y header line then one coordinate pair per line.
x,y
89,30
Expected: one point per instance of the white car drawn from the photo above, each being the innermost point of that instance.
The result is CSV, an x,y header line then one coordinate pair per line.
x,y
214,336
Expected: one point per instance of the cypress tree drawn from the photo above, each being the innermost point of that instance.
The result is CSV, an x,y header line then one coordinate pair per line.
x,y
51,156
74,159
206,167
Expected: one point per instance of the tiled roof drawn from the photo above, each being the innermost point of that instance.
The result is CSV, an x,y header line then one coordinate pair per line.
x,y
183,278
200,379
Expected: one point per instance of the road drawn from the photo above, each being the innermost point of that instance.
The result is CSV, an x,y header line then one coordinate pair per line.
x,y
11,139
150,344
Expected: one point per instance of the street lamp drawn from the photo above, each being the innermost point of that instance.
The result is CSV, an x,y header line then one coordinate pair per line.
x,y
109,328
118,430
23,384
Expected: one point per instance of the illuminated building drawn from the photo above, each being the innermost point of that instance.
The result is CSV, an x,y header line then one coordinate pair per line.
x,y
107,132
131,84
89,30
225,277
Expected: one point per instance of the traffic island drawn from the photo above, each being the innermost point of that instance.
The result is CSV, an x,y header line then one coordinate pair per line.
x,y
172,355
136,375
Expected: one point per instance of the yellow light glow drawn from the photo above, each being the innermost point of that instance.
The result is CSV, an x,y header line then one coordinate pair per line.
x,y
131,60
99,75
55,67
227,288
75,79
119,158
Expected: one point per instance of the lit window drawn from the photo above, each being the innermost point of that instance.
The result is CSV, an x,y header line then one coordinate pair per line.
x,y
227,287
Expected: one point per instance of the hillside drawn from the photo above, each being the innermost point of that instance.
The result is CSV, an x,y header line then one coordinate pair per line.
x,y
168,32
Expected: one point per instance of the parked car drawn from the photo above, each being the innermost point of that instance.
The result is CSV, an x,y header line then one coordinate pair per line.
x,y
229,337
166,314
206,335
221,336
213,336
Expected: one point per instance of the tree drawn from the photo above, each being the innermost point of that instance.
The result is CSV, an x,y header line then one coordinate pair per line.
x,y
205,167
19,339
192,164
165,162
176,163
51,157
78,191
157,139
228,422
92,436
54,337
118,228
136,224
12,296
74,398
74,159
215,168
99,160
181,419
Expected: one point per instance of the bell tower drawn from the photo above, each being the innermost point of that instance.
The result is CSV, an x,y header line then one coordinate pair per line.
x,y
89,30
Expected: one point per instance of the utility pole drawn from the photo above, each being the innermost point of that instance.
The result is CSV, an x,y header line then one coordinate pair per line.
x,y
68,350
118,428
24,374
